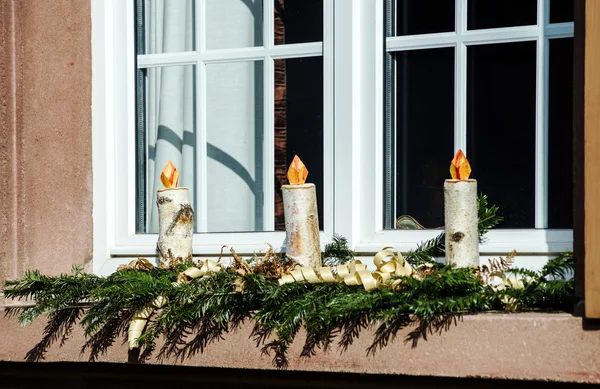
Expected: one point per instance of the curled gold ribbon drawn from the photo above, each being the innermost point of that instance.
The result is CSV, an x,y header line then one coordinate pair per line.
x,y
209,266
389,262
510,303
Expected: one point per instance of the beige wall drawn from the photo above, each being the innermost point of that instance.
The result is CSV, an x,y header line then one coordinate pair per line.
x,y
45,136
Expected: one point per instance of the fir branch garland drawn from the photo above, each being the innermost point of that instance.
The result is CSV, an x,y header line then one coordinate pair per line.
x,y
205,309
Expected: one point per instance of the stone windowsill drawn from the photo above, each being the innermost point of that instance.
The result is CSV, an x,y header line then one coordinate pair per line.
x,y
530,346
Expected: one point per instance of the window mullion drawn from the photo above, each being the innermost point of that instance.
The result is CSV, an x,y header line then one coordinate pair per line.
x,y
460,79
328,114
347,113
390,127
268,142
541,137
200,27
201,124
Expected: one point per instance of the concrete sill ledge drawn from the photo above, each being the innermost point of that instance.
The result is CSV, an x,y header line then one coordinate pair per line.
x,y
527,346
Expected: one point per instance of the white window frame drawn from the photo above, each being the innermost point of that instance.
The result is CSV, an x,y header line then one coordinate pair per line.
x,y
113,122
353,55
539,241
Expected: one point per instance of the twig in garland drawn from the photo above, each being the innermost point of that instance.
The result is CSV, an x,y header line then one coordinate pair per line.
x,y
560,267
337,252
487,216
427,251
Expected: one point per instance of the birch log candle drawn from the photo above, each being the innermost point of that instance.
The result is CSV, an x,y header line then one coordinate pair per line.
x,y
175,219
301,217
460,212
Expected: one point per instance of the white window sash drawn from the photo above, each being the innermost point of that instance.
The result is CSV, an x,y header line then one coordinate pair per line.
x,y
367,203
115,237
353,52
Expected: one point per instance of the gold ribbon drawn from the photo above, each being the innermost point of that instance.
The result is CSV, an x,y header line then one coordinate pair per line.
x,y
389,262
510,303
209,266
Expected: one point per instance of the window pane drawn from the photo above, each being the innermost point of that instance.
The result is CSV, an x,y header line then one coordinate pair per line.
x,y
235,176
166,26
233,24
424,134
166,131
424,16
562,11
298,125
496,14
501,127
298,21
560,128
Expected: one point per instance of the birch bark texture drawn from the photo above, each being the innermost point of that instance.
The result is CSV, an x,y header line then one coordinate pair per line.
x,y
302,224
175,225
460,212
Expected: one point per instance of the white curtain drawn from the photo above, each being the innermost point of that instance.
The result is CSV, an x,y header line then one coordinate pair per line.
x,y
233,116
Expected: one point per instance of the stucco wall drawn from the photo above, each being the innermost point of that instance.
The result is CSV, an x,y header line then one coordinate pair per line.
x,y
528,346
45,136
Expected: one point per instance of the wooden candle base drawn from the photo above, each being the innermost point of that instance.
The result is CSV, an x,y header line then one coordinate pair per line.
x,y
460,211
175,225
302,224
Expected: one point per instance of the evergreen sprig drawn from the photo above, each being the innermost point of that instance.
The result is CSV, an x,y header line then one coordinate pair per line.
x,y
487,216
337,252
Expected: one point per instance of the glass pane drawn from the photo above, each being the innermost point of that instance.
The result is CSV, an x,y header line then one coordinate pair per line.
x,y
496,14
166,26
298,21
560,128
501,127
235,174
233,24
424,16
166,131
298,125
562,11
424,132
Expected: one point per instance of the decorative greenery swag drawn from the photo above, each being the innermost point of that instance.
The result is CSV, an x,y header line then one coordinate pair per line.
x,y
202,310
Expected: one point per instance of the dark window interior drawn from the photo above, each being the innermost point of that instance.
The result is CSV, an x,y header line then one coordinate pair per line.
x,y
301,21
497,14
298,125
416,17
560,129
501,90
424,132
562,11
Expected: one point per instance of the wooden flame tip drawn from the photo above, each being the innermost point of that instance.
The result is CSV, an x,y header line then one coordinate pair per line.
x,y
297,172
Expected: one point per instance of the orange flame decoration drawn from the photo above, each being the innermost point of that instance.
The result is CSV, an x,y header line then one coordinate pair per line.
x,y
297,172
170,175
460,169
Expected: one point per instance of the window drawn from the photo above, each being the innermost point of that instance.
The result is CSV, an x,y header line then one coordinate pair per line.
x,y
495,80
230,95
230,90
